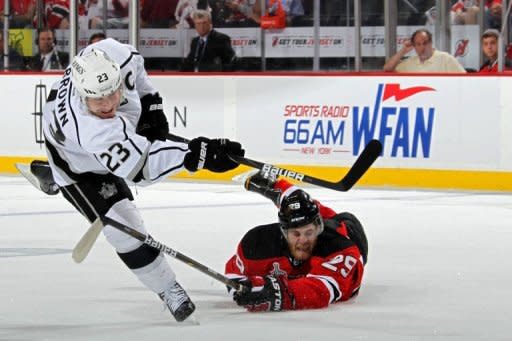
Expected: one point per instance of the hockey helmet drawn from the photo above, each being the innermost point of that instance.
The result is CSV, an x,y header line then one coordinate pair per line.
x,y
298,209
95,74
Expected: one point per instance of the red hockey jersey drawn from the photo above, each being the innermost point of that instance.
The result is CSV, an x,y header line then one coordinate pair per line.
x,y
333,273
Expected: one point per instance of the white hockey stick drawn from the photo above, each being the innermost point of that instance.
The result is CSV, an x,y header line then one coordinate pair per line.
x,y
84,245
24,170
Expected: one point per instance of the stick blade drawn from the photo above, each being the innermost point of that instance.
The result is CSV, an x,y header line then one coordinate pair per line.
x,y
370,153
84,245
24,170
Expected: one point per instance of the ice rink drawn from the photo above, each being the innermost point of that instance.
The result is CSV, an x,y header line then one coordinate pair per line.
x,y
439,268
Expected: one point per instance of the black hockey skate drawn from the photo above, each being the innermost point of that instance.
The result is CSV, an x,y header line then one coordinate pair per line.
x,y
39,174
42,171
263,183
178,302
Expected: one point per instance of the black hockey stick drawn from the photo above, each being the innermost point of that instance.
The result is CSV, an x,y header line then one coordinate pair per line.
x,y
85,244
369,154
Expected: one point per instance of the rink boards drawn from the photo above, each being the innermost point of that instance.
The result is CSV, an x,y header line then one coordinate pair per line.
x,y
449,132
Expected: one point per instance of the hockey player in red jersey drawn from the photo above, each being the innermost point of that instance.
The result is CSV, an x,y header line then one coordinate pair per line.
x,y
313,257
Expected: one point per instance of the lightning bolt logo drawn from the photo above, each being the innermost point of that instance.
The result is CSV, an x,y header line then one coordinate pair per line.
x,y
394,90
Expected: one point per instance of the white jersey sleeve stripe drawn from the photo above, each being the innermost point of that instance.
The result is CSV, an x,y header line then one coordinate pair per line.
x,y
170,170
135,146
140,165
164,158
168,148
128,138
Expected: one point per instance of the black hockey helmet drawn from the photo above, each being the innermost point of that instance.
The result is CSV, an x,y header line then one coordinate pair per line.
x,y
298,209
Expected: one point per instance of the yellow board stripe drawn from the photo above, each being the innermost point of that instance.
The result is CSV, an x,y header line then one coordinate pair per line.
x,y
375,177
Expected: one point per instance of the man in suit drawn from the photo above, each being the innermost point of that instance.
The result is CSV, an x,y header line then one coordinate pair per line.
x,y
48,58
211,50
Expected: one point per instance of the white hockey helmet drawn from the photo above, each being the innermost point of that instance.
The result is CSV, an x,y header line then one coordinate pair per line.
x,y
95,74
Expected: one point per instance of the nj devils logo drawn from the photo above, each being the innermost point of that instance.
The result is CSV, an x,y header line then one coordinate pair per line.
x,y
461,48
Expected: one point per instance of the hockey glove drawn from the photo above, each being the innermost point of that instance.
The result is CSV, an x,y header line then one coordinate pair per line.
x,y
152,123
243,280
263,183
265,294
212,154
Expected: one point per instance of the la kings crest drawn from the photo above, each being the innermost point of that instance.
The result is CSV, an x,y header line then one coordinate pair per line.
x,y
107,190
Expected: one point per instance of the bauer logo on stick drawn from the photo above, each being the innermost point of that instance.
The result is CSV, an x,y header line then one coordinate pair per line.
x,y
276,171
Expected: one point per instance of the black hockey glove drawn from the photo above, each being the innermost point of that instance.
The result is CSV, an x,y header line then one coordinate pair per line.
x,y
263,183
241,280
265,294
212,154
152,123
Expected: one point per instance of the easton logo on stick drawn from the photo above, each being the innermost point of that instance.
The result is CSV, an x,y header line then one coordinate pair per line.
x,y
276,171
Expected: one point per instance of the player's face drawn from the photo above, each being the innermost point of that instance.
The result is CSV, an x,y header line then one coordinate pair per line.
x,y
302,241
104,107
490,47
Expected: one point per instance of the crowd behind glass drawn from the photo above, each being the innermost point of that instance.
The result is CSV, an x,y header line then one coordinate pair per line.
x,y
268,18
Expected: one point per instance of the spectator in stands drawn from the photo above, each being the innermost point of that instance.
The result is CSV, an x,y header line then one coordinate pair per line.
x,y
21,13
427,58
158,13
250,9
16,62
292,8
117,14
493,10
415,12
95,37
210,50
186,8
464,12
56,14
48,58
490,50
235,13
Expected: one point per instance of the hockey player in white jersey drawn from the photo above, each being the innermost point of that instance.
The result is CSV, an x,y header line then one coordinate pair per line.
x,y
104,126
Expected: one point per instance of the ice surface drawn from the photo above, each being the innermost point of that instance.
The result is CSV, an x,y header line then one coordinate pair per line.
x,y
440,268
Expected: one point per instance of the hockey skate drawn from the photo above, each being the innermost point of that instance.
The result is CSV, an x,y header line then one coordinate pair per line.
x,y
178,302
39,174
263,183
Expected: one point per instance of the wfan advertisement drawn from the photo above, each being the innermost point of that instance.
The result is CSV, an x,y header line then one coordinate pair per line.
x,y
422,122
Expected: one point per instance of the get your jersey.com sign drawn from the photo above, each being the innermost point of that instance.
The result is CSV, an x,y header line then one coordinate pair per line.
x,y
289,42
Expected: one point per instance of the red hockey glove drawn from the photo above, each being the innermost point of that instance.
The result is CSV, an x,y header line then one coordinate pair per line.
x,y
265,294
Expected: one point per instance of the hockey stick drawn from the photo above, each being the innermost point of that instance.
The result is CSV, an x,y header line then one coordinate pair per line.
x,y
83,247
369,154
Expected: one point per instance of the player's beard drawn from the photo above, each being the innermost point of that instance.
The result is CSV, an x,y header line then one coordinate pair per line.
x,y
302,251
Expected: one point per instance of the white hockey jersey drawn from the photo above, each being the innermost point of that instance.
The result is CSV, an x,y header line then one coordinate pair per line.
x,y
79,143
